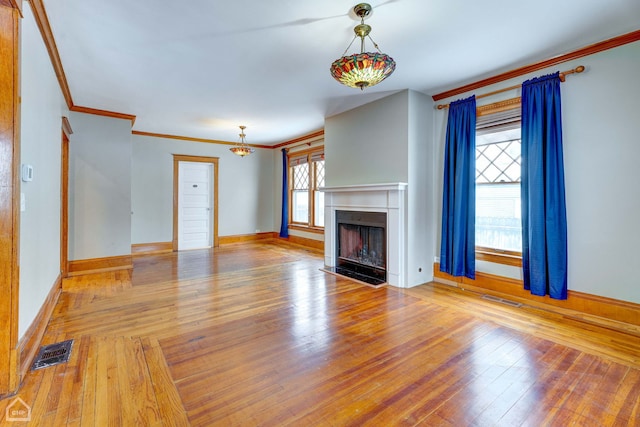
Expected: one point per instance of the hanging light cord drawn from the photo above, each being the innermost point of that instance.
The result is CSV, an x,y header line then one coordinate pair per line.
x,y
362,44
375,44
345,51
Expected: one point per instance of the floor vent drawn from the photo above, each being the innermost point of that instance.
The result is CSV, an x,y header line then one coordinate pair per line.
x,y
53,354
501,300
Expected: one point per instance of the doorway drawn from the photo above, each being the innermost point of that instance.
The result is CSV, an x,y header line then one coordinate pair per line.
x,y
195,202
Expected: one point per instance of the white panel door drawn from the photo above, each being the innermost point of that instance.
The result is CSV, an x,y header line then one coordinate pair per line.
x,y
195,205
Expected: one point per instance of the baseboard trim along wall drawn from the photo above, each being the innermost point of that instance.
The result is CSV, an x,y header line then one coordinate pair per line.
x,y
594,305
100,265
151,248
296,240
317,245
243,238
139,249
29,344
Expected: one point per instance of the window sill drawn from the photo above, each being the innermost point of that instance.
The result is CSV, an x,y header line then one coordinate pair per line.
x,y
499,257
316,230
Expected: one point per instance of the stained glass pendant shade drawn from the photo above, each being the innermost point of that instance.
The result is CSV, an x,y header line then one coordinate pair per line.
x,y
362,69
242,149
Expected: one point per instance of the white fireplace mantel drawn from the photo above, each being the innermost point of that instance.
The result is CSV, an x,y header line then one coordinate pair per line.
x,y
389,198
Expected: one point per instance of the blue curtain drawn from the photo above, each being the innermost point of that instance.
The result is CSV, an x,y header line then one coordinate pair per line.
x,y
544,218
284,222
457,244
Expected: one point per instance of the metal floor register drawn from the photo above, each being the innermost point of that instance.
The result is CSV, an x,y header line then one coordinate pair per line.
x,y
52,354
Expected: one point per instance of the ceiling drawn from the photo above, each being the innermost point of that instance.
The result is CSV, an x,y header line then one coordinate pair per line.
x,y
202,68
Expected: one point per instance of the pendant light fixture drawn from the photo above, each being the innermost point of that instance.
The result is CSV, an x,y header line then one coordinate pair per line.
x,y
242,149
362,69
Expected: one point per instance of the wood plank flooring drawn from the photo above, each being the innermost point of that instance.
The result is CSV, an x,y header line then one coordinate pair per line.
x,y
255,334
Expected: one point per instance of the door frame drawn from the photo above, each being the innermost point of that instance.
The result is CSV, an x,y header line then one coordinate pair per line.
x,y
64,198
9,196
177,158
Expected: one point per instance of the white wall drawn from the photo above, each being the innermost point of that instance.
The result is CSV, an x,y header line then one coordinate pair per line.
x,y
99,187
601,111
421,195
246,192
42,108
368,145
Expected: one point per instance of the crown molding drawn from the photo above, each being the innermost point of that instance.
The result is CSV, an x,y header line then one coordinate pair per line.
x,y
585,51
305,139
105,113
40,15
42,21
192,139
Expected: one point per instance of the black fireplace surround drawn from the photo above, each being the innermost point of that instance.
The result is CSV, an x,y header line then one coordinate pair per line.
x,y
361,252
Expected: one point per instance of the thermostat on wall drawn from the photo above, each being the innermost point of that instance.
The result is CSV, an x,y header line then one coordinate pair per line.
x,y
27,173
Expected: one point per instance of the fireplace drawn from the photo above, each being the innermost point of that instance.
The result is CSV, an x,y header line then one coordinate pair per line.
x,y
361,250
368,203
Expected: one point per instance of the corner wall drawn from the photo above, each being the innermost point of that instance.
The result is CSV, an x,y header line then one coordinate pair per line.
x,y
99,187
421,206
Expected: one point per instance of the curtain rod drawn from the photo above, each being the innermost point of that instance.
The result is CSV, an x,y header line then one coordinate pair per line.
x,y
563,74
307,143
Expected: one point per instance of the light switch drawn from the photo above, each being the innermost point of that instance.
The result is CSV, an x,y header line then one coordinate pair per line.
x,y
27,173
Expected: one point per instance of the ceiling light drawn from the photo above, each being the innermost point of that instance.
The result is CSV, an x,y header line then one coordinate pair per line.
x,y
242,149
362,69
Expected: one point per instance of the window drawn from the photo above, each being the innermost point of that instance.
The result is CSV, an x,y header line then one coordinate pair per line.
x,y
306,172
498,160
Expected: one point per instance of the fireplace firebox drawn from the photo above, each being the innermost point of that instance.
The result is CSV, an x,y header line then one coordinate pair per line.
x,y
361,252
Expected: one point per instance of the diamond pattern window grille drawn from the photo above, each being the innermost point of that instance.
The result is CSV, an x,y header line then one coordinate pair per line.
x,y
319,174
301,177
498,163
306,176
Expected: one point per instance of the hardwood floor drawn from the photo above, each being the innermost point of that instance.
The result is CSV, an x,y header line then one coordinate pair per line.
x,y
255,334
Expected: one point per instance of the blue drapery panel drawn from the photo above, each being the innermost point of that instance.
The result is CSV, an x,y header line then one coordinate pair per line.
x,y
284,222
544,218
457,244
